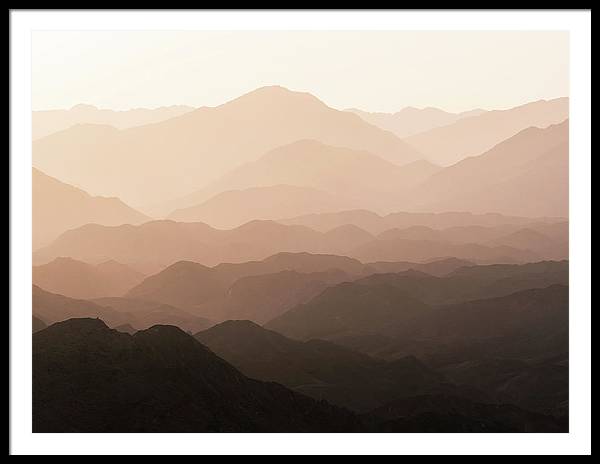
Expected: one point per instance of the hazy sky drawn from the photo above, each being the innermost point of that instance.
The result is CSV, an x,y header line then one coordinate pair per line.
x,y
375,71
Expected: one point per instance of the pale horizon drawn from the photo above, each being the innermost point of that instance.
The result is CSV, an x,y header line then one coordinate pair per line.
x,y
375,71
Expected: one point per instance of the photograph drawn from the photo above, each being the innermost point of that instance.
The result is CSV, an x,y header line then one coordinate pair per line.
x,y
283,231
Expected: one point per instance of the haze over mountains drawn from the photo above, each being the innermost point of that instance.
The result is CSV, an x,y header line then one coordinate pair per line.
x,y
49,121
410,121
533,164
58,207
82,280
297,268
155,245
472,136
206,143
230,208
365,179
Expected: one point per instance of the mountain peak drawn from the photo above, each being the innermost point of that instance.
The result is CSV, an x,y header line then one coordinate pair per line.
x,y
84,107
238,325
84,326
274,94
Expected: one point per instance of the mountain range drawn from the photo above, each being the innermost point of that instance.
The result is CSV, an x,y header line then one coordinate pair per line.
x,y
158,380
286,266
366,180
47,122
58,207
152,246
319,369
384,304
410,121
532,164
474,135
206,142
77,279
49,308
163,380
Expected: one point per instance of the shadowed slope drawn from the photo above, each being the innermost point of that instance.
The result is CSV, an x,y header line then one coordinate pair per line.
x,y
525,175
158,380
318,368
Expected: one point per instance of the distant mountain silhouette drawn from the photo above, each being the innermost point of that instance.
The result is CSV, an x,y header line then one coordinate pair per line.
x,y
51,307
349,309
300,262
58,207
152,246
376,224
317,368
438,268
410,121
263,297
181,284
143,314
116,312
77,279
531,239
158,380
383,304
425,250
49,121
473,136
532,165
236,207
257,290
181,154
364,178
261,290
474,282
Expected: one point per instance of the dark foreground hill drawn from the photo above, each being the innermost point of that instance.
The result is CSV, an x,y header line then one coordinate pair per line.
x,y
451,414
320,369
89,378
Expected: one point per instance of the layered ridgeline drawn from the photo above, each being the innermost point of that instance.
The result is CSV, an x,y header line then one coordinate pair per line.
x,y
58,207
525,175
474,135
532,164
50,121
376,223
175,157
257,290
163,380
410,121
321,369
158,380
152,246
512,347
50,307
359,382
356,178
233,208
384,304
82,280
